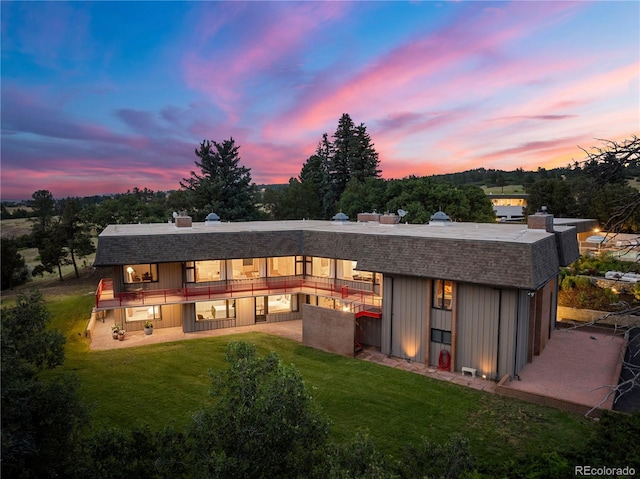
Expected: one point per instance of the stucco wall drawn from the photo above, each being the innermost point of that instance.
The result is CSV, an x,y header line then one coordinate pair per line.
x,y
328,330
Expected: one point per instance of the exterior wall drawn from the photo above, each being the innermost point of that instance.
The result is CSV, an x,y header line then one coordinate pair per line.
x,y
522,332
171,317
440,319
404,317
190,325
245,311
328,329
478,310
369,331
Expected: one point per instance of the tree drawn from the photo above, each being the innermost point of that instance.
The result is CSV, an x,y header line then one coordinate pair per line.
x,y
40,418
77,234
51,247
353,155
221,186
314,176
262,422
44,208
14,268
555,194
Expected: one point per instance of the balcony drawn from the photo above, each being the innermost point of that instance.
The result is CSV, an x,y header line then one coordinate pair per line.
x,y
361,302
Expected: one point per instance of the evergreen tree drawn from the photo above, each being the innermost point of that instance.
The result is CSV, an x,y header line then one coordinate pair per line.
x,y
222,186
343,153
77,234
314,176
14,268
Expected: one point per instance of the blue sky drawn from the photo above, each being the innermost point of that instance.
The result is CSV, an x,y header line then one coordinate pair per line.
x,y
102,97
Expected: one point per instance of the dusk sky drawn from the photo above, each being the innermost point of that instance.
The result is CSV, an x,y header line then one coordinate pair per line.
x,y
102,97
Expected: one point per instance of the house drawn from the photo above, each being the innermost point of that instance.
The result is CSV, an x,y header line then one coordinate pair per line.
x,y
455,295
509,207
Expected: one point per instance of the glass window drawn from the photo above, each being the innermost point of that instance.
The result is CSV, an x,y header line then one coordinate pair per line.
x,y
282,266
143,313
442,294
246,268
282,303
140,273
321,267
440,336
210,310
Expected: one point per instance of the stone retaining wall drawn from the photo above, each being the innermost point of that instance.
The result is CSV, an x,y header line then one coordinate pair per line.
x,y
566,314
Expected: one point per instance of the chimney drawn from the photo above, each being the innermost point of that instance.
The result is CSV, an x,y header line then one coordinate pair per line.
x,y
541,221
183,221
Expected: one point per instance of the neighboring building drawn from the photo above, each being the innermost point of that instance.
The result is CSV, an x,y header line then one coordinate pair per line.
x,y
484,293
509,207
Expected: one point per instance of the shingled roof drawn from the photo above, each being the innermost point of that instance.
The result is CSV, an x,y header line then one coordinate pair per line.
x,y
498,254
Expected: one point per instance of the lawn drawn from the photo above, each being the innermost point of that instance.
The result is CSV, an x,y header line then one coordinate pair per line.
x,y
163,383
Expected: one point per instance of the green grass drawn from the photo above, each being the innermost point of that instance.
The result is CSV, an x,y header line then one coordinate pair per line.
x,y
162,383
507,189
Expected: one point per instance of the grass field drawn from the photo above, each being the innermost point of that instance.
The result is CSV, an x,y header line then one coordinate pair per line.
x,y
163,383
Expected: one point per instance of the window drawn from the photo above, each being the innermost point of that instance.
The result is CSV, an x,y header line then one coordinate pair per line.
x,y
282,303
143,313
246,268
283,266
204,271
210,310
140,273
442,294
321,267
440,336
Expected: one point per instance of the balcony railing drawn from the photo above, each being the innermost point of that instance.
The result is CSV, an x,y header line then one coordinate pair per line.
x,y
352,298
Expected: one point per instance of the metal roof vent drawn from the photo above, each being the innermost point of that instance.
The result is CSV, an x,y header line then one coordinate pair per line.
x,y
212,219
439,218
340,219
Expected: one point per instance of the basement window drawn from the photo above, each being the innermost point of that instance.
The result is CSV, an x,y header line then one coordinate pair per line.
x,y
440,336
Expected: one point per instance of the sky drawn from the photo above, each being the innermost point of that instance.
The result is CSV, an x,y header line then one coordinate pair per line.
x,y
104,97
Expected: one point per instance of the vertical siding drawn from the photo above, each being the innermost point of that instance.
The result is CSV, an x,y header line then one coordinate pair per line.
x,y
522,332
404,313
169,276
508,331
478,328
171,317
440,319
245,311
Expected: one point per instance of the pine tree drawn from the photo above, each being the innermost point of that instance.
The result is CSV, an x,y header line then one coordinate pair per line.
x,y
222,186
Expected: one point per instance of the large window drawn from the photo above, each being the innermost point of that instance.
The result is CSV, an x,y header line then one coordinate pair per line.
x,y
321,267
282,303
347,269
140,273
282,266
143,313
204,271
246,268
442,294
221,309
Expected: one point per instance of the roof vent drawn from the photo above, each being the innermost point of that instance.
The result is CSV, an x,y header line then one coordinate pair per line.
x,y
340,219
212,219
439,218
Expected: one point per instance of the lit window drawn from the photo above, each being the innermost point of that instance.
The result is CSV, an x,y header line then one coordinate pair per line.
x,y
246,268
282,303
283,266
321,267
140,273
204,271
210,310
143,313
442,294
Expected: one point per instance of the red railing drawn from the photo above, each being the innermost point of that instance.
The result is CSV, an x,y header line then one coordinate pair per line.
x,y
354,299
